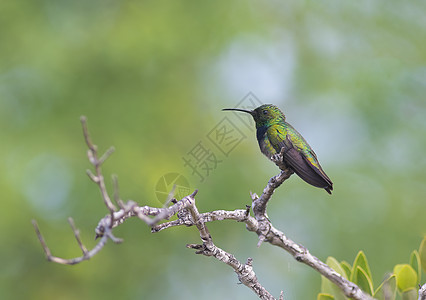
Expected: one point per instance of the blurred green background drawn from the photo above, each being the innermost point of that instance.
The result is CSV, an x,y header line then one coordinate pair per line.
x,y
152,78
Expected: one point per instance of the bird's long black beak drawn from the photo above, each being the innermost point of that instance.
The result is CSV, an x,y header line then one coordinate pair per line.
x,y
238,109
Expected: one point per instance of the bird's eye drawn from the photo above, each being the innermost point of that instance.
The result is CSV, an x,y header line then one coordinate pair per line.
x,y
265,112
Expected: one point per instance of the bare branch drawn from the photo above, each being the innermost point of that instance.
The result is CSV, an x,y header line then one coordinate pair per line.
x,y
188,215
166,213
131,209
267,232
259,204
162,226
245,271
239,215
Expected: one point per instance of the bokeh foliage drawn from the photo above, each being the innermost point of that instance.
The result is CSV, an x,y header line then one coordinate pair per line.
x,y
402,283
151,77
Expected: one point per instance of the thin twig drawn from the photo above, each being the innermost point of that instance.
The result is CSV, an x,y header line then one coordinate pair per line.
x,y
86,134
92,154
77,236
116,197
106,155
42,241
71,261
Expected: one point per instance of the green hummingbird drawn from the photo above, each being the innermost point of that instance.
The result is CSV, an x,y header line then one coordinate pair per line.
x,y
275,135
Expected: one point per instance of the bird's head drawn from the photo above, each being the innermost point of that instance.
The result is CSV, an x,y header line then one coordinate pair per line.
x,y
264,115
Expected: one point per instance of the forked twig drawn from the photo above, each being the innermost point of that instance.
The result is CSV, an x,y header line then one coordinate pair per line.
x,y
86,254
92,154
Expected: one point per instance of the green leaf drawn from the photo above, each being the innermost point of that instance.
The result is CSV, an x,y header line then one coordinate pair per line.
x,y
406,277
361,261
323,296
410,294
422,254
362,280
387,290
397,268
328,287
347,268
416,265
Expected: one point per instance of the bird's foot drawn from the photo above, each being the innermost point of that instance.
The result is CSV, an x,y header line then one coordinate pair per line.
x,y
278,159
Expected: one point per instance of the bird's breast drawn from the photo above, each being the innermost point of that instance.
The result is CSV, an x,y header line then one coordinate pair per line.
x,y
264,142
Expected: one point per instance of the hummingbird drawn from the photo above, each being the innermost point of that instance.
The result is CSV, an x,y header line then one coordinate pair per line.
x,y
275,136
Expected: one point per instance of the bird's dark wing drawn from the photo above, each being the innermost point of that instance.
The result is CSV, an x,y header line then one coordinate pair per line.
x,y
302,160
317,167
328,186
